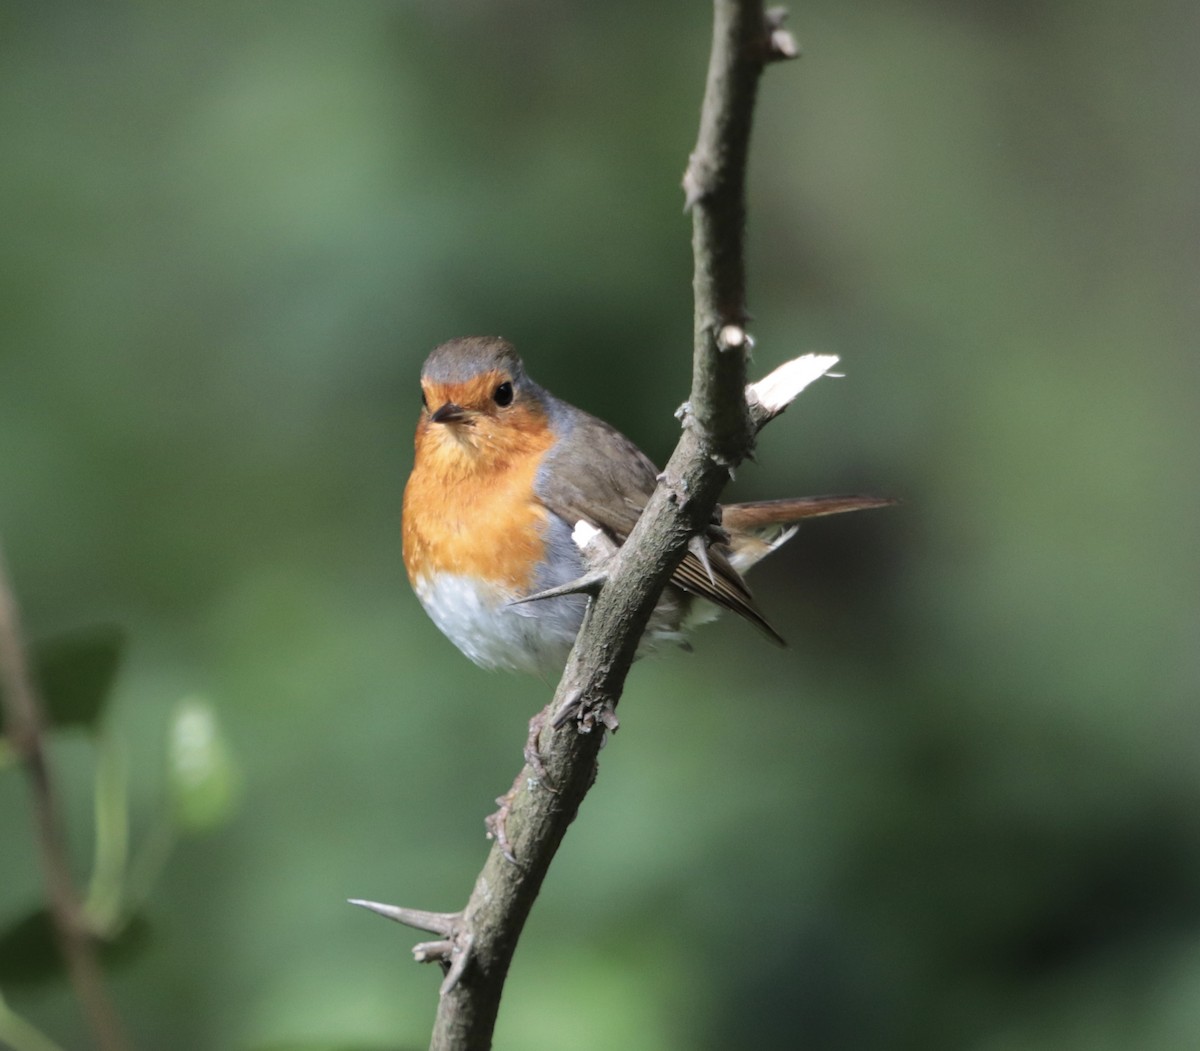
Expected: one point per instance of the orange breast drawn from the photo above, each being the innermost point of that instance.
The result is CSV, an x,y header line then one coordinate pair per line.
x,y
469,506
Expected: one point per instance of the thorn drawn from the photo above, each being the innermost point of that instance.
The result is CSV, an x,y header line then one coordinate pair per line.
x,y
717,533
588,584
461,951
698,547
435,922
569,708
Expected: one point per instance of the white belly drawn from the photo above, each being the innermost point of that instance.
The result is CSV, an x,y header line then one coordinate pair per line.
x,y
478,619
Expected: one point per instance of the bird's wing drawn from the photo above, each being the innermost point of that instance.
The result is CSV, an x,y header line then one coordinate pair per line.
x,y
601,477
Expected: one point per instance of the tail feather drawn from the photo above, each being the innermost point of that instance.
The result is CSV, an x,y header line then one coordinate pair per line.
x,y
758,528
762,513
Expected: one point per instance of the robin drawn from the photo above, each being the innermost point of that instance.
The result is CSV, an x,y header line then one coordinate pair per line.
x,y
509,482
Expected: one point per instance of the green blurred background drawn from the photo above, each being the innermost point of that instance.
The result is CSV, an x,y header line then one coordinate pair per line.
x,y
959,812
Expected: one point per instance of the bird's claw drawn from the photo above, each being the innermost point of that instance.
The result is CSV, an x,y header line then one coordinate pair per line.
x,y
497,824
587,714
533,751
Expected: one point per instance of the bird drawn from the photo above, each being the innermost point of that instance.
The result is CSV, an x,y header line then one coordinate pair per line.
x,y
505,477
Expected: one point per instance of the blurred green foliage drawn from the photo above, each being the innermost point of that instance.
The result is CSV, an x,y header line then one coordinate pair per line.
x,y
74,675
959,812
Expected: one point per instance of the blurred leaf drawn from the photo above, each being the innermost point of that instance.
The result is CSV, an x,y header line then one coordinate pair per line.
x,y
103,901
76,673
131,941
29,950
202,774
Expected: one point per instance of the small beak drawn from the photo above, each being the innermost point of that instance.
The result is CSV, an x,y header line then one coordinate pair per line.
x,y
448,413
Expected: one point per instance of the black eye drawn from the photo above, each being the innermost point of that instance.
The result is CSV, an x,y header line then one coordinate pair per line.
x,y
503,394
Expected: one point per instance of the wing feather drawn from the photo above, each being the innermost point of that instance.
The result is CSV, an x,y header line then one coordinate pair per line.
x,y
608,484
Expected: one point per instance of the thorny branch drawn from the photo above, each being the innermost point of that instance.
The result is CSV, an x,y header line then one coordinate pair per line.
x,y
476,945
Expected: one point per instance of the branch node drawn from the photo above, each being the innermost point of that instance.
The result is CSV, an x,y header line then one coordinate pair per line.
x,y
721,460
734,337
433,952
781,44
696,179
